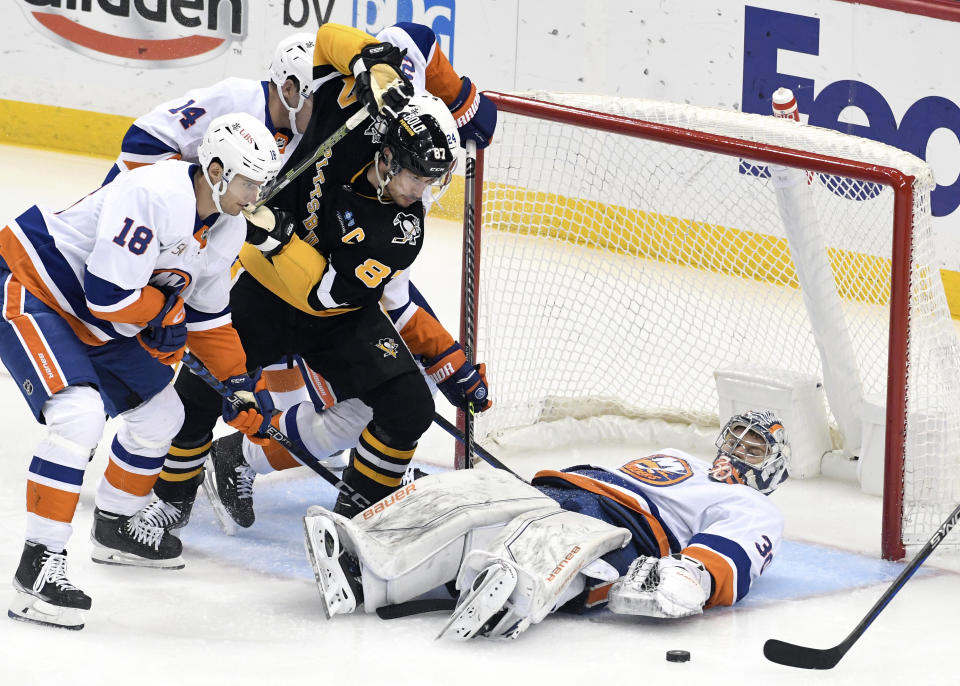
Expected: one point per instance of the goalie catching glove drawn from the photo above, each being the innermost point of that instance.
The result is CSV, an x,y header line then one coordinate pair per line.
x,y
253,416
675,586
379,85
268,229
165,335
463,384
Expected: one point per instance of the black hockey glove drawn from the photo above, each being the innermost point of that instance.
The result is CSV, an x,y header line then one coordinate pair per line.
x,y
379,85
269,229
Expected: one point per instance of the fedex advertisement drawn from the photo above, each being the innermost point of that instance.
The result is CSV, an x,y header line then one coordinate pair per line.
x,y
882,69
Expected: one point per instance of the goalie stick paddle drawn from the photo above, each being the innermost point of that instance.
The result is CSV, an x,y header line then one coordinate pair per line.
x,y
793,655
334,138
192,363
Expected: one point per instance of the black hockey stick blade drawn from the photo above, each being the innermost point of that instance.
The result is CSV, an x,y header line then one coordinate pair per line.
x,y
815,658
416,607
792,655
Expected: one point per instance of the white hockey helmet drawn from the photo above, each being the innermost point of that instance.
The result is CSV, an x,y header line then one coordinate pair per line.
x,y
752,449
242,145
293,58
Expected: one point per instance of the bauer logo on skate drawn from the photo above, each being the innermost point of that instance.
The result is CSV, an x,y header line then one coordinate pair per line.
x,y
160,33
391,499
659,470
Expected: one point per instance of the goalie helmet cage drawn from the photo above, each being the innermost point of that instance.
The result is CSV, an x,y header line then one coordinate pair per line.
x,y
626,249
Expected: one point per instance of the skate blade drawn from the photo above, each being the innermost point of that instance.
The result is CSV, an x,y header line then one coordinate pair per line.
x,y
336,597
489,594
224,519
29,608
108,556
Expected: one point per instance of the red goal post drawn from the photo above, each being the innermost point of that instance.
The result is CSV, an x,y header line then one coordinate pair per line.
x,y
629,205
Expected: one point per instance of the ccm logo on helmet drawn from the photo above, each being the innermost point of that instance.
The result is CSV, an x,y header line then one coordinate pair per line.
x,y
160,33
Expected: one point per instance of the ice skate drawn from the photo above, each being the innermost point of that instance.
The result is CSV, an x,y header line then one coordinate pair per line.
x,y
123,540
44,594
336,571
228,483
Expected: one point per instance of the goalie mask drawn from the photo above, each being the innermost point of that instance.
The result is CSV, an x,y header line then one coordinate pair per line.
x,y
422,141
242,145
293,59
752,450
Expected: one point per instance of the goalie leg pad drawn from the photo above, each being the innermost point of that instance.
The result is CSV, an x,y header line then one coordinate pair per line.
x,y
413,540
551,551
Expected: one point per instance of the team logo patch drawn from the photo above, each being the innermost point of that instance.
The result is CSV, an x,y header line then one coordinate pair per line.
x,y
409,226
28,387
659,470
388,346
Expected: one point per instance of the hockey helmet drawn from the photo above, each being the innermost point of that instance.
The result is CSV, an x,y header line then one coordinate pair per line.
x,y
242,145
293,58
752,449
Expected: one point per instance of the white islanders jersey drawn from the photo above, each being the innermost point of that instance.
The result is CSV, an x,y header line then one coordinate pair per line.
x,y
175,128
141,229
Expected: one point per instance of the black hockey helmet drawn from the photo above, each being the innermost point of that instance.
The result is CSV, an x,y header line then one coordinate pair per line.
x,y
423,138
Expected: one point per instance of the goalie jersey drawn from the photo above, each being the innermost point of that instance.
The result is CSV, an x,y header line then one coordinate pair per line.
x,y
672,506
91,262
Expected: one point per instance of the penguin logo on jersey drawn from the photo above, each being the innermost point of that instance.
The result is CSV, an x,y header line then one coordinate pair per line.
x,y
659,470
388,346
409,226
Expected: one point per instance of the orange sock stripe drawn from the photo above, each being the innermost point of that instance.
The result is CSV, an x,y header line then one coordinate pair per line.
x,y
279,457
283,380
128,482
51,503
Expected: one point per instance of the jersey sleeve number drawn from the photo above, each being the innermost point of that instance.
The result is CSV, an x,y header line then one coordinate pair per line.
x,y
372,272
138,242
188,115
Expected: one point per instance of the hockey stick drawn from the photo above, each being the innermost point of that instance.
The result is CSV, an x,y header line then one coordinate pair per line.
x,y
469,305
321,150
793,655
197,367
480,451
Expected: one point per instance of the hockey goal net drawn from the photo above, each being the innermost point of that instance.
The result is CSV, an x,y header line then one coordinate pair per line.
x,y
627,249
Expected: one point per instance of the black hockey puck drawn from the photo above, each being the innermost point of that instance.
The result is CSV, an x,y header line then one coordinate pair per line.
x,y
678,656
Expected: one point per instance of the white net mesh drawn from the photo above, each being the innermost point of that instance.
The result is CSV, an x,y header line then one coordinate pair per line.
x,y
617,273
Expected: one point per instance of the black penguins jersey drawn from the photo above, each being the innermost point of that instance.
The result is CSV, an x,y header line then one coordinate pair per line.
x,y
366,244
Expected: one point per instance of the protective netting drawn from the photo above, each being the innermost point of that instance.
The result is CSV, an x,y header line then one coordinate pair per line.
x,y
618,273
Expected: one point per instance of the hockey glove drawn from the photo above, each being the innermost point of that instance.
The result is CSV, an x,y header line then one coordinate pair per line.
x,y
475,113
253,417
379,84
268,229
675,586
462,383
165,335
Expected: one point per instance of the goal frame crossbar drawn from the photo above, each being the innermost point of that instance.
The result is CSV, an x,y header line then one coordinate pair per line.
x,y
901,184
